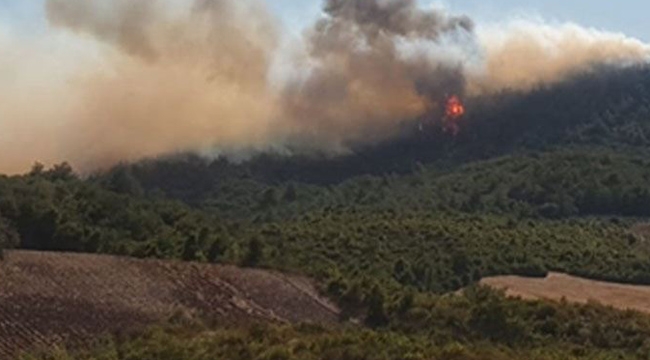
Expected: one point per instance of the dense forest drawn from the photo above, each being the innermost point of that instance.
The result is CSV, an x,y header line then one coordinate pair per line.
x,y
578,181
553,180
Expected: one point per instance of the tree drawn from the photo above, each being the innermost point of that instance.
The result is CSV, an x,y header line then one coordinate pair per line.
x,y
269,198
255,253
121,180
37,169
402,272
376,316
60,172
216,250
8,236
190,249
290,194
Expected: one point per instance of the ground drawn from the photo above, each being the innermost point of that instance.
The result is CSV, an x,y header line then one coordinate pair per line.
x,y
558,286
54,298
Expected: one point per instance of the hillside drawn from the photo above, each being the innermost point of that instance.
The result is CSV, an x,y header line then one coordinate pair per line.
x,y
608,108
561,183
65,299
411,240
555,180
48,299
324,180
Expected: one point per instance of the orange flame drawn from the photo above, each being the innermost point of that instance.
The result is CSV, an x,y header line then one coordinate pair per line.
x,y
455,108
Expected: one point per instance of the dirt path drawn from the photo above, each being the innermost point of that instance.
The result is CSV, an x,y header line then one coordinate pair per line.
x,y
557,286
50,298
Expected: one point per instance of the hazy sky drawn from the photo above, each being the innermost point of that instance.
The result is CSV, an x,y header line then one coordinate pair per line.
x,y
627,16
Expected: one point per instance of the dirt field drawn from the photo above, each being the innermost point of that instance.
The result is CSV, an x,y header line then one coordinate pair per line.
x,y
557,286
48,298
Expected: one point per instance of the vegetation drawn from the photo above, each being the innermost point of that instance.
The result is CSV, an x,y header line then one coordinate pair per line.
x,y
410,243
442,253
607,109
382,263
8,236
482,324
567,182
54,210
558,179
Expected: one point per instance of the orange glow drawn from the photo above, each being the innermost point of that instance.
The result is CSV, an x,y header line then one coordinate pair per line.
x,y
454,108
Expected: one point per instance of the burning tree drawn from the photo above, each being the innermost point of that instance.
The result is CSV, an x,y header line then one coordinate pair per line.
x,y
454,110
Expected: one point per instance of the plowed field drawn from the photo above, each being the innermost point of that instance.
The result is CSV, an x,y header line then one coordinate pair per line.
x,y
50,298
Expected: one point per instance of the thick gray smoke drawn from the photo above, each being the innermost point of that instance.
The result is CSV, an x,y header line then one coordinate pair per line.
x,y
402,18
362,82
121,80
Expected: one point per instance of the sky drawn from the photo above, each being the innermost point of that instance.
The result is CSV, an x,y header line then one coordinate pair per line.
x,y
625,16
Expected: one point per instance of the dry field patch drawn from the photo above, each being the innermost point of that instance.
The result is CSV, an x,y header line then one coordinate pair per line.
x,y
558,286
55,298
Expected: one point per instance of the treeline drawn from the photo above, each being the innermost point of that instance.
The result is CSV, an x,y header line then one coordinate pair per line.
x,y
55,210
572,149
560,184
557,184
608,108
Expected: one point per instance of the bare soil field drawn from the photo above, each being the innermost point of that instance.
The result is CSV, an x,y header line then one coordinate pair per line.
x,y
51,298
557,286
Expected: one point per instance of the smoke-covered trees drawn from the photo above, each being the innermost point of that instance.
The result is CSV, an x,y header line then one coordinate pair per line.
x,y
557,184
606,109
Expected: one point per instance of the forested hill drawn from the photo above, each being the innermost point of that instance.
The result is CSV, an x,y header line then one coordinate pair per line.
x,y
576,148
609,109
553,180
570,169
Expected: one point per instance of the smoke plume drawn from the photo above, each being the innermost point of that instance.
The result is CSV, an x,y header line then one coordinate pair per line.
x,y
176,80
523,54
362,83
122,80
